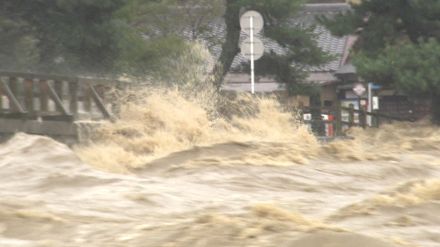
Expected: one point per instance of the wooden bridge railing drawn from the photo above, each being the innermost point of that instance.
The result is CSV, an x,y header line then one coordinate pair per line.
x,y
31,96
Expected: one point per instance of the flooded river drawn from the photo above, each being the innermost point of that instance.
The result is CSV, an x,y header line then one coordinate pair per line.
x,y
169,175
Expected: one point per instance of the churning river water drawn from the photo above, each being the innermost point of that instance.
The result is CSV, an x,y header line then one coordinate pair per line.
x,y
168,176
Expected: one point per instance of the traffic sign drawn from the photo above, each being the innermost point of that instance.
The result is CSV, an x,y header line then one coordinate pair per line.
x,y
375,103
376,86
257,19
359,89
258,48
251,23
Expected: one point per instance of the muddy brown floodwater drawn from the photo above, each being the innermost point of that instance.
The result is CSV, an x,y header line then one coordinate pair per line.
x,y
175,183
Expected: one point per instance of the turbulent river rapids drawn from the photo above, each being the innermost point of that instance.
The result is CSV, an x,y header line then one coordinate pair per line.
x,y
170,173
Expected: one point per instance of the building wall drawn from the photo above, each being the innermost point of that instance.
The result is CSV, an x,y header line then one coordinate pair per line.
x,y
246,78
405,107
328,96
298,101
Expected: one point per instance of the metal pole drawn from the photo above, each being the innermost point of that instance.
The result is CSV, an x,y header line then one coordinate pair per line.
x,y
252,56
360,109
370,103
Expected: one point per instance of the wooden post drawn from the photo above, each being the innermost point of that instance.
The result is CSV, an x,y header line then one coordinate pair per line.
x,y
338,119
98,101
87,97
362,119
58,103
58,86
73,102
1,96
14,104
29,94
44,99
13,88
377,120
351,115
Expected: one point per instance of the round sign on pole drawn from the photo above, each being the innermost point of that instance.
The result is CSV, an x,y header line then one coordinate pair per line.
x,y
359,89
258,48
258,22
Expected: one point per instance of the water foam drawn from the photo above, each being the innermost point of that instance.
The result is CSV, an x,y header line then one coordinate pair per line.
x,y
386,143
166,121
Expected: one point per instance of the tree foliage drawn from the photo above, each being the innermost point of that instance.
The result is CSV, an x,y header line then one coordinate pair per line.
x,y
171,29
301,49
398,44
83,36
199,19
138,37
383,23
80,34
413,66
173,17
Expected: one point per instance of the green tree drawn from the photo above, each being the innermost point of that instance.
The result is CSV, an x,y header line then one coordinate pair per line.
x,y
169,28
412,67
297,41
138,37
17,46
196,17
173,17
70,35
78,37
398,44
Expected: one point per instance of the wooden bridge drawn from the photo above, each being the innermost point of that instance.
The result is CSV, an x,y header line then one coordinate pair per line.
x,y
51,104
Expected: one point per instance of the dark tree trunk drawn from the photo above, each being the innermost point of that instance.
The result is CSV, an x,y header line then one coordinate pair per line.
x,y
230,47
